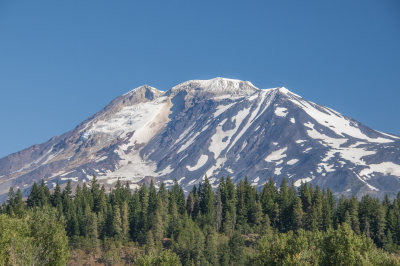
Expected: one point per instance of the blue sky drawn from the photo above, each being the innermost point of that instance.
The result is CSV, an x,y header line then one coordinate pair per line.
x,y
62,61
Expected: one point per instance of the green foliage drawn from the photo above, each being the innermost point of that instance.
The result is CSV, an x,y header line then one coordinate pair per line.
x,y
232,225
51,242
16,243
39,239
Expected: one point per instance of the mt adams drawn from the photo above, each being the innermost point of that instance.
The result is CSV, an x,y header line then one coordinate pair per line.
x,y
216,127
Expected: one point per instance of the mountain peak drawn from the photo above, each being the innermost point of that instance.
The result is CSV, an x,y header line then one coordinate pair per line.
x,y
217,86
215,127
143,88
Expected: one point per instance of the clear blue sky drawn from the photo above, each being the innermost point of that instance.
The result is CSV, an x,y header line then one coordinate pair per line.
x,y
62,61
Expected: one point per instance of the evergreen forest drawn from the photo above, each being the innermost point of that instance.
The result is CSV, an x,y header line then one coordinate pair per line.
x,y
225,225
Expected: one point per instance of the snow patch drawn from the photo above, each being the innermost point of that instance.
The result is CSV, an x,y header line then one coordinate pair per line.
x,y
337,123
102,158
308,149
216,144
75,179
386,168
276,155
202,160
327,167
137,118
281,111
292,162
303,180
222,108
278,171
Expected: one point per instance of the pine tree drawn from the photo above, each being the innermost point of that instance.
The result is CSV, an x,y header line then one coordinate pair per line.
x,y
207,203
33,198
268,199
56,197
218,211
306,200
158,228
11,202
125,220
44,194
241,211
284,206
135,216
379,224
66,198
92,229
152,199
297,214
353,211
190,204
316,222
19,206
143,219
174,219
150,245
117,232
177,195
98,198
327,212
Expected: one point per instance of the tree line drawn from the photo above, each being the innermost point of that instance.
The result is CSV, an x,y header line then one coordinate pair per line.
x,y
229,225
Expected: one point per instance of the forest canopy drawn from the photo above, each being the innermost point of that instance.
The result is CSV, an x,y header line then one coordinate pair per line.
x,y
227,225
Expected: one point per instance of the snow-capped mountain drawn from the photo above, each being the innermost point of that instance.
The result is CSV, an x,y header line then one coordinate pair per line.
x,y
214,127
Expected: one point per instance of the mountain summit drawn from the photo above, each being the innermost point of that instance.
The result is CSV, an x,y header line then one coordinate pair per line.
x,y
216,127
217,86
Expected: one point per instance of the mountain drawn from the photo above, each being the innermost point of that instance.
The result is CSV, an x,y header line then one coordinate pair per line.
x,y
216,127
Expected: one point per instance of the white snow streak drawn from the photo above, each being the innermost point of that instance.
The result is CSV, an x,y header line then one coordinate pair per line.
x,y
278,171
202,160
335,122
281,111
386,168
303,180
222,108
276,155
292,162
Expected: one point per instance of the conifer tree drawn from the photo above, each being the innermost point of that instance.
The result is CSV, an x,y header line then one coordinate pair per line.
x,y
316,222
207,203
125,220
10,202
152,199
158,228
306,200
190,204
150,245
144,206
19,206
134,216
218,211
241,211
177,195
284,206
117,232
297,215
353,211
33,198
44,194
268,199
56,197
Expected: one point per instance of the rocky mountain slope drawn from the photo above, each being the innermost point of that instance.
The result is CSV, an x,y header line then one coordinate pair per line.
x,y
214,127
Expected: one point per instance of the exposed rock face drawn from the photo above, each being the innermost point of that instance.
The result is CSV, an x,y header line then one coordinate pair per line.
x,y
215,127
